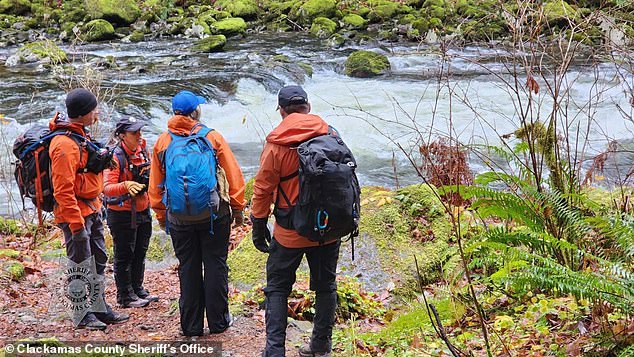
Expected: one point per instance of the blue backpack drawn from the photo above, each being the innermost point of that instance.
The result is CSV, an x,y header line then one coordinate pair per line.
x,y
190,175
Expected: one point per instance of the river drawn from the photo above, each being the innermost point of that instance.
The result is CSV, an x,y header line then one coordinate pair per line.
x,y
241,82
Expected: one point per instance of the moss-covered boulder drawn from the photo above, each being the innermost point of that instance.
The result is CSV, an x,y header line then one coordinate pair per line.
x,y
97,30
366,64
15,7
45,52
385,10
120,12
559,13
323,27
137,36
246,9
354,22
395,226
305,12
230,27
212,43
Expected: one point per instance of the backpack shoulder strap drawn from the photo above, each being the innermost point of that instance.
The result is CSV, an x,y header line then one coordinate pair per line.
x,y
122,157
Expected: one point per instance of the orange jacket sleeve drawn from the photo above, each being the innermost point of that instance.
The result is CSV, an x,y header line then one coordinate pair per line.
x,y
228,161
157,176
266,181
112,186
65,156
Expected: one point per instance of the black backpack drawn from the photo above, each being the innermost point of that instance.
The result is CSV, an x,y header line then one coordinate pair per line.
x,y
328,206
32,170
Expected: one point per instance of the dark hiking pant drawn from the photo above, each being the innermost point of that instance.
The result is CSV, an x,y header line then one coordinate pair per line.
x,y
130,247
203,274
93,224
281,267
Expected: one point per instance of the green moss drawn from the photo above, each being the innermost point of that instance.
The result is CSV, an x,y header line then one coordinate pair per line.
x,y
98,30
247,9
309,10
248,190
121,12
354,21
558,13
43,51
435,23
9,253
384,11
15,270
15,7
231,26
323,27
11,226
213,43
247,265
307,68
157,249
366,64
137,36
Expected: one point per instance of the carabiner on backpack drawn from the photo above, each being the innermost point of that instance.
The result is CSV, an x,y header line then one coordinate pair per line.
x,y
322,226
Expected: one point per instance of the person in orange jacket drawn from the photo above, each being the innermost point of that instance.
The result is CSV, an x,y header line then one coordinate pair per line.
x,y
200,240
277,176
77,194
128,215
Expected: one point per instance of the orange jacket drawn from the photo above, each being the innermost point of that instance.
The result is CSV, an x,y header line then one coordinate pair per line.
x,y
113,184
77,194
182,125
279,158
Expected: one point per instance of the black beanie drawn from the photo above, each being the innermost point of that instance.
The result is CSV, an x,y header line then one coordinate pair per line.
x,y
80,102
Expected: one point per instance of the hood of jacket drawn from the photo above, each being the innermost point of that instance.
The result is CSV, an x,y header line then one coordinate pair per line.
x,y
60,121
297,128
181,125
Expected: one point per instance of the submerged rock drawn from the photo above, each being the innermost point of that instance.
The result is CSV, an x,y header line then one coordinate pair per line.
x,y
366,64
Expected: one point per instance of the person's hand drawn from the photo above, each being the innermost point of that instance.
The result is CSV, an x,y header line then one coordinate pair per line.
x,y
237,217
260,235
81,245
133,187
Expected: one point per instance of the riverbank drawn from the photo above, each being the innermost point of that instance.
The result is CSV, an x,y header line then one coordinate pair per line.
x,y
337,22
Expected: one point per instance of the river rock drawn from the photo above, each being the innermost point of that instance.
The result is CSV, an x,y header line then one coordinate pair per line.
x,y
354,22
212,43
304,12
559,13
120,12
231,26
323,27
97,30
15,7
366,64
40,51
246,9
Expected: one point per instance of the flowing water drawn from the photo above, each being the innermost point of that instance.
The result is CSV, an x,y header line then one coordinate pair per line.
x,y
240,83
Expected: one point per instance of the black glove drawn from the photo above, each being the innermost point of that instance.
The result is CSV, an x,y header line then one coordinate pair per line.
x,y
81,246
261,235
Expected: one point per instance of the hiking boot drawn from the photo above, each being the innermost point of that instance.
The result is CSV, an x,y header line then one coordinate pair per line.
x,y
144,294
306,351
231,320
91,322
134,303
112,318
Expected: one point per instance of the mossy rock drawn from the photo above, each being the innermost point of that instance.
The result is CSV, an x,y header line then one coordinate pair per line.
x,y
15,7
231,26
45,52
9,253
306,12
383,12
306,67
98,30
559,13
214,43
247,265
137,36
246,9
365,64
15,270
354,22
120,12
323,27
